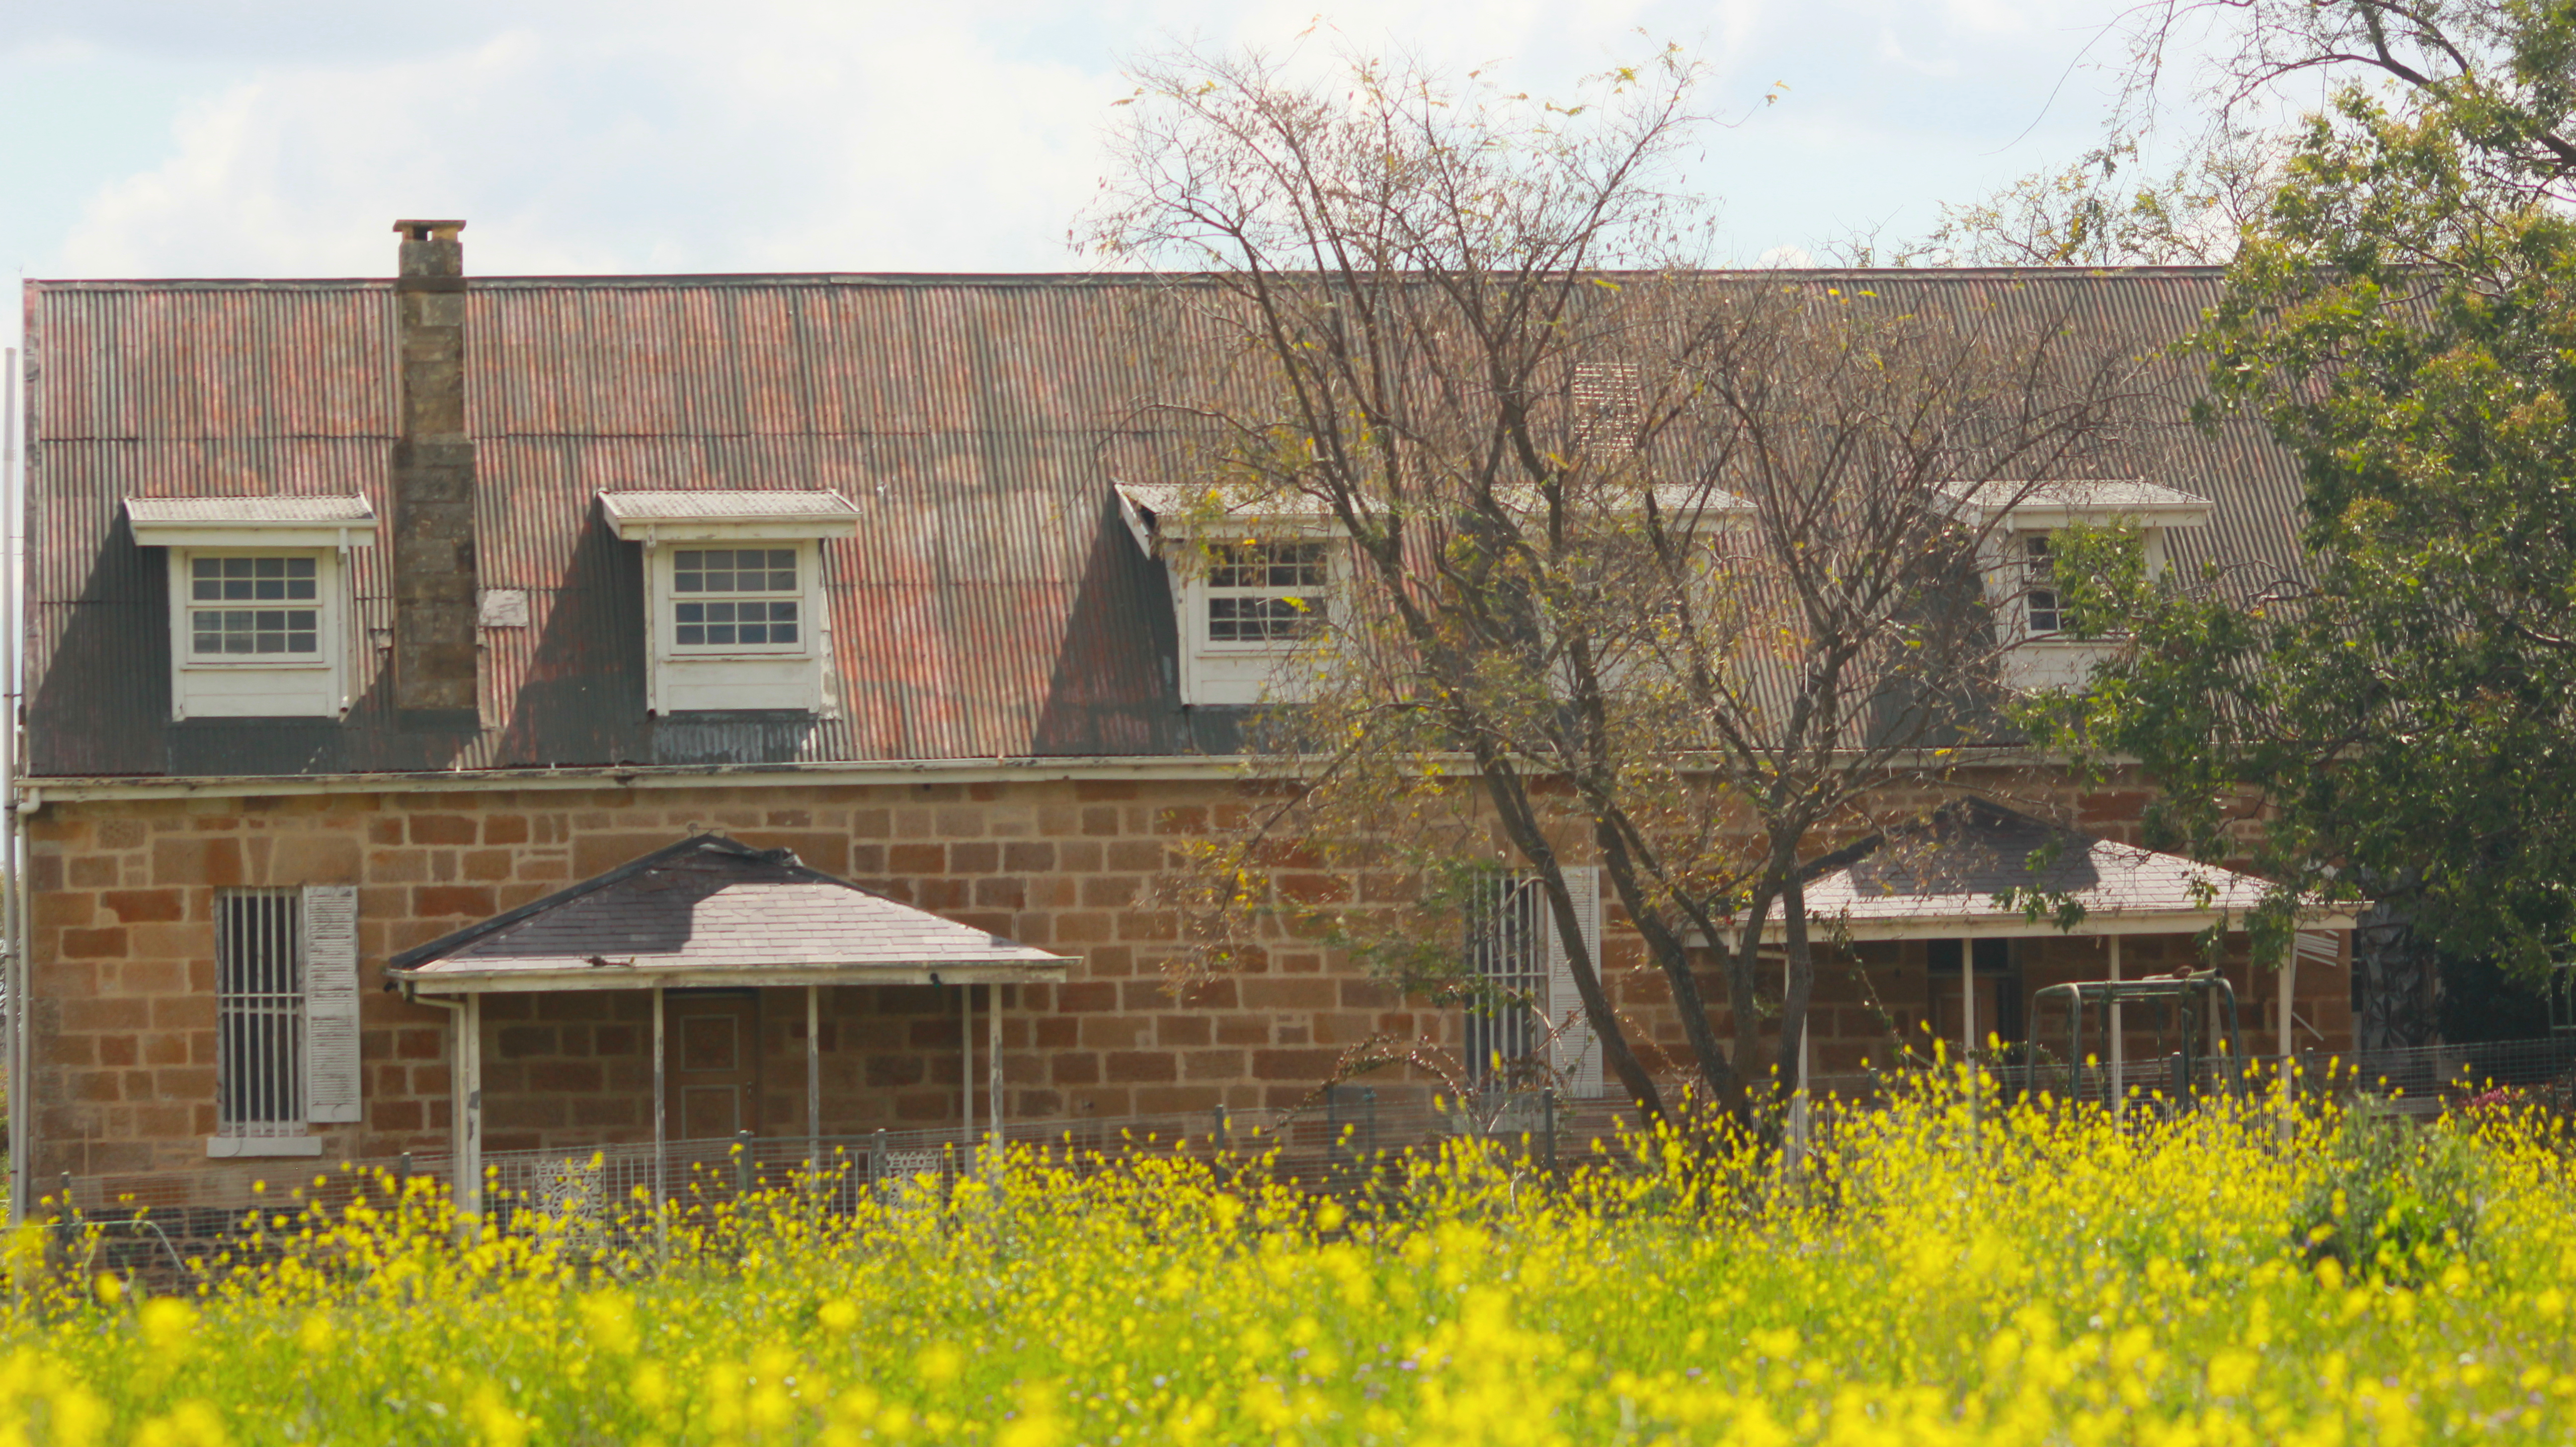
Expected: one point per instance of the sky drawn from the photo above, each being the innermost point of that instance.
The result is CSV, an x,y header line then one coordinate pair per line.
x,y
283,137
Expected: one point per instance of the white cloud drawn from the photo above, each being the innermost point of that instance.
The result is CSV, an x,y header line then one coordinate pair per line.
x,y
636,135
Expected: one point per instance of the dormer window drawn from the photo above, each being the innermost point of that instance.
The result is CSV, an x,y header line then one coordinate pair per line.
x,y
735,620
2021,519
1250,586
259,600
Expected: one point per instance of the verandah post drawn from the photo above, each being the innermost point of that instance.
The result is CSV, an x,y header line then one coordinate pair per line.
x,y
661,1228
813,1082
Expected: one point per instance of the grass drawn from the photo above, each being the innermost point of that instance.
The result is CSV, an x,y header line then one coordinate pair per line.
x,y
2055,1282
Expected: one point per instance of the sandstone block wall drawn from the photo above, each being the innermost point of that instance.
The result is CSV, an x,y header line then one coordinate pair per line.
x,y
122,957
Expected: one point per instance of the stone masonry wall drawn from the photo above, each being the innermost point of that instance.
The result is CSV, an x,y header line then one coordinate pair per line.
x,y
122,953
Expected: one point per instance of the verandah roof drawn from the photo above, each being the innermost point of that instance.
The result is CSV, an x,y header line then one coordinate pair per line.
x,y
1967,872
709,911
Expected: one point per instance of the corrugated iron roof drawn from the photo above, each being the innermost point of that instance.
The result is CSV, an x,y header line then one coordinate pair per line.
x,y
992,603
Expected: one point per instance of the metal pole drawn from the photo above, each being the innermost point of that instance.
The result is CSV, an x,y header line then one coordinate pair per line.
x,y
813,1079
469,1189
661,1229
13,936
2119,1041
993,1066
1968,1025
966,1064
2289,979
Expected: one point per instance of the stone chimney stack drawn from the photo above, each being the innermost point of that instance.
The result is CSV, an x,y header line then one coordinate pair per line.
x,y
435,654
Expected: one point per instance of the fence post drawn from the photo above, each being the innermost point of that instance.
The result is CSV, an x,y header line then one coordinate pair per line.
x,y
742,1163
67,1193
877,1159
1547,1111
1368,1117
402,1176
1219,1135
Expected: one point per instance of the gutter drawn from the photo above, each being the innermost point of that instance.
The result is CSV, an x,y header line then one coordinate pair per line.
x,y
1007,769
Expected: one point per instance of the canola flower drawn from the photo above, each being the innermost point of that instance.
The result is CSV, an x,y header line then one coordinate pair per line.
x,y
2029,1277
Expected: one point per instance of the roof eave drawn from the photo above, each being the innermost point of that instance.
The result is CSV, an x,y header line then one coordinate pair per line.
x,y
2094,923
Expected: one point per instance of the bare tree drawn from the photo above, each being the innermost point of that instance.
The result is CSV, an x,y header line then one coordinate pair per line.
x,y
1679,571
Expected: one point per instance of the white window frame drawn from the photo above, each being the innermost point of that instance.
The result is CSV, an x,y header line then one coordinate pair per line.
x,y
801,562
260,685
301,973
695,679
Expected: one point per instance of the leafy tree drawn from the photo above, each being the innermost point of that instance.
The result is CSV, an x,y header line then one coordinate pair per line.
x,y
1658,568
2399,316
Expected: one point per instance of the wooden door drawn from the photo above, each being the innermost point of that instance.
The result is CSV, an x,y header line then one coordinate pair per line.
x,y
714,1065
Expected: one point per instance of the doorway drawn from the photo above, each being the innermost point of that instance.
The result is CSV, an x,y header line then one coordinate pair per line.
x,y
714,1065
1999,996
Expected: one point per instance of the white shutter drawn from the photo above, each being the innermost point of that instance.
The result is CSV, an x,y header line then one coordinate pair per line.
x,y
1578,1054
331,1002
2324,947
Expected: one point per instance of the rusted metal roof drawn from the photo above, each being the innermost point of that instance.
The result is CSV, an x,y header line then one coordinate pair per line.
x,y
992,603
710,911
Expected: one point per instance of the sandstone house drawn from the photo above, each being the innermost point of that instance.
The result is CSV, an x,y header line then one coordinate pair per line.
x,y
490,640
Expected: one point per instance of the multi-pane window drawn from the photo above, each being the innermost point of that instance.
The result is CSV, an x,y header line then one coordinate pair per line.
x,y
736,598
1263,592
254,607
1507,956
2046,611
259,1012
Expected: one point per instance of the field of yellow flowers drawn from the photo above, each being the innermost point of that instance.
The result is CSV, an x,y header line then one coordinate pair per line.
x,y
1923,1279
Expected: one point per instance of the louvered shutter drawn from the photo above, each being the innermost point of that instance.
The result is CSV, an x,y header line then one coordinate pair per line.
x,y
1578,1054
330,1002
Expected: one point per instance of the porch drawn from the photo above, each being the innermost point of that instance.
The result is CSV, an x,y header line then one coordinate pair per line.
x,y
698,994
1962,934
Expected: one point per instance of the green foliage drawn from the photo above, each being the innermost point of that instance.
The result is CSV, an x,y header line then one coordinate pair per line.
x,y
2401,321
2392,1201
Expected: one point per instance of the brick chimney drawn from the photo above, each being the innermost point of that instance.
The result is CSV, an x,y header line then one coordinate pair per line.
x,y
435,657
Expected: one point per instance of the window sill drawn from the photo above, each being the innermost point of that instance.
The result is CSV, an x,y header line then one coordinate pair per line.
x,y
224,1147
274,662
